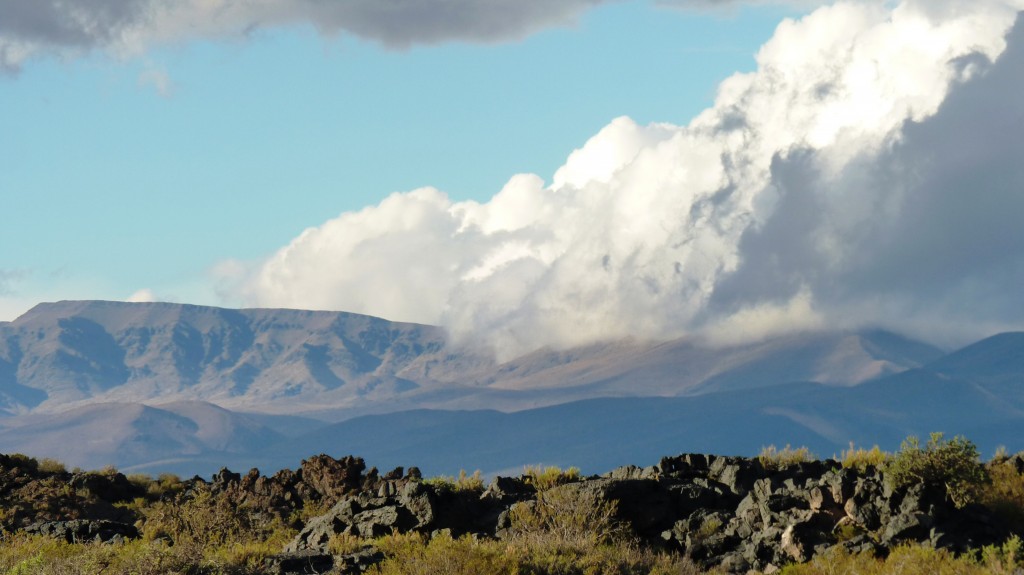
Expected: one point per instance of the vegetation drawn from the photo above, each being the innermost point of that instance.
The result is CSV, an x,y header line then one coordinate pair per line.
x,y
443,555
861,459
464,482
1005,495
543,478
569,528
772,458
567,517
1005,559
952,464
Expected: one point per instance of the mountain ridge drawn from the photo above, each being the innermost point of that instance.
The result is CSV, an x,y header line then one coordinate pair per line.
x,y
79,352
157,387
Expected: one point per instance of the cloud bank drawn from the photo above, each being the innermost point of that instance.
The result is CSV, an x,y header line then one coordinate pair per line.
x,y
867,174
31,28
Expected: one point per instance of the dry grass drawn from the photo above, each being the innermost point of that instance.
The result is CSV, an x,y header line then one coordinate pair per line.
x,y
861,459
773,458
547,477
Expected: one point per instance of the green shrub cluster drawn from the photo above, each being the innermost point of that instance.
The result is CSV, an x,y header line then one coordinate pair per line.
x,y
953,464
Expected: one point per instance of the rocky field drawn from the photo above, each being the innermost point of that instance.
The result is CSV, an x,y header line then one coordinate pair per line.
x,y
687,514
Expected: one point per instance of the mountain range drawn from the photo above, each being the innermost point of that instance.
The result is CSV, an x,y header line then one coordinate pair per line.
x,y
168,387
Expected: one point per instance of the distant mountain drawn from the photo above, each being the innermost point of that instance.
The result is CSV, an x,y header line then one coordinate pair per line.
x,y
602,433
166,387
997,358
334,364
63,353
128,435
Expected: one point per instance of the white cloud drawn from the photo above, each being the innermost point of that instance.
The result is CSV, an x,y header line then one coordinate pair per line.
x,y
145,295
829,187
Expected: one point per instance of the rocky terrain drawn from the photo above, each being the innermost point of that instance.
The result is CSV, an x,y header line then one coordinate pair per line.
x,y
736,514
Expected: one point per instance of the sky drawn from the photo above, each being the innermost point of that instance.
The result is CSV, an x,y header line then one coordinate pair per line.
x,y
524,173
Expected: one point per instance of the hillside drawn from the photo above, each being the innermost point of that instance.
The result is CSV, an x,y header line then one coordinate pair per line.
x,y
288,361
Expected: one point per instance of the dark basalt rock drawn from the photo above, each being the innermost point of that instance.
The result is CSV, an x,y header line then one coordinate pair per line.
x,y
725,512
85,530
298,563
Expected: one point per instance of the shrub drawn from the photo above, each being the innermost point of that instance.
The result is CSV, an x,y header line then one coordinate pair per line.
x,y
911,560
547,477
463,482
860,459
1004,495
205,523
566,516
1005,558
412,555
40,555
772,458
51,466
952,464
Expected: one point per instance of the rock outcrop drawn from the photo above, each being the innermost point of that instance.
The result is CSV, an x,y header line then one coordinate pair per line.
x,y
726,512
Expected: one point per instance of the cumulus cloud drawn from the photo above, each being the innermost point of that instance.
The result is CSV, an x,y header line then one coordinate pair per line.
x,y
866,174
56,27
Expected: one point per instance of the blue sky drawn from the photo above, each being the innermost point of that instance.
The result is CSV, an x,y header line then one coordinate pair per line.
x,y
127,172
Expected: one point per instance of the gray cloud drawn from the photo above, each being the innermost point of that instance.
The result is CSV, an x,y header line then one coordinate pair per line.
x,y
925,234
31,28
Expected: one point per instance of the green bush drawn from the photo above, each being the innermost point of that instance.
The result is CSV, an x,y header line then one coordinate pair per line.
x,y
1004,495
952,464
